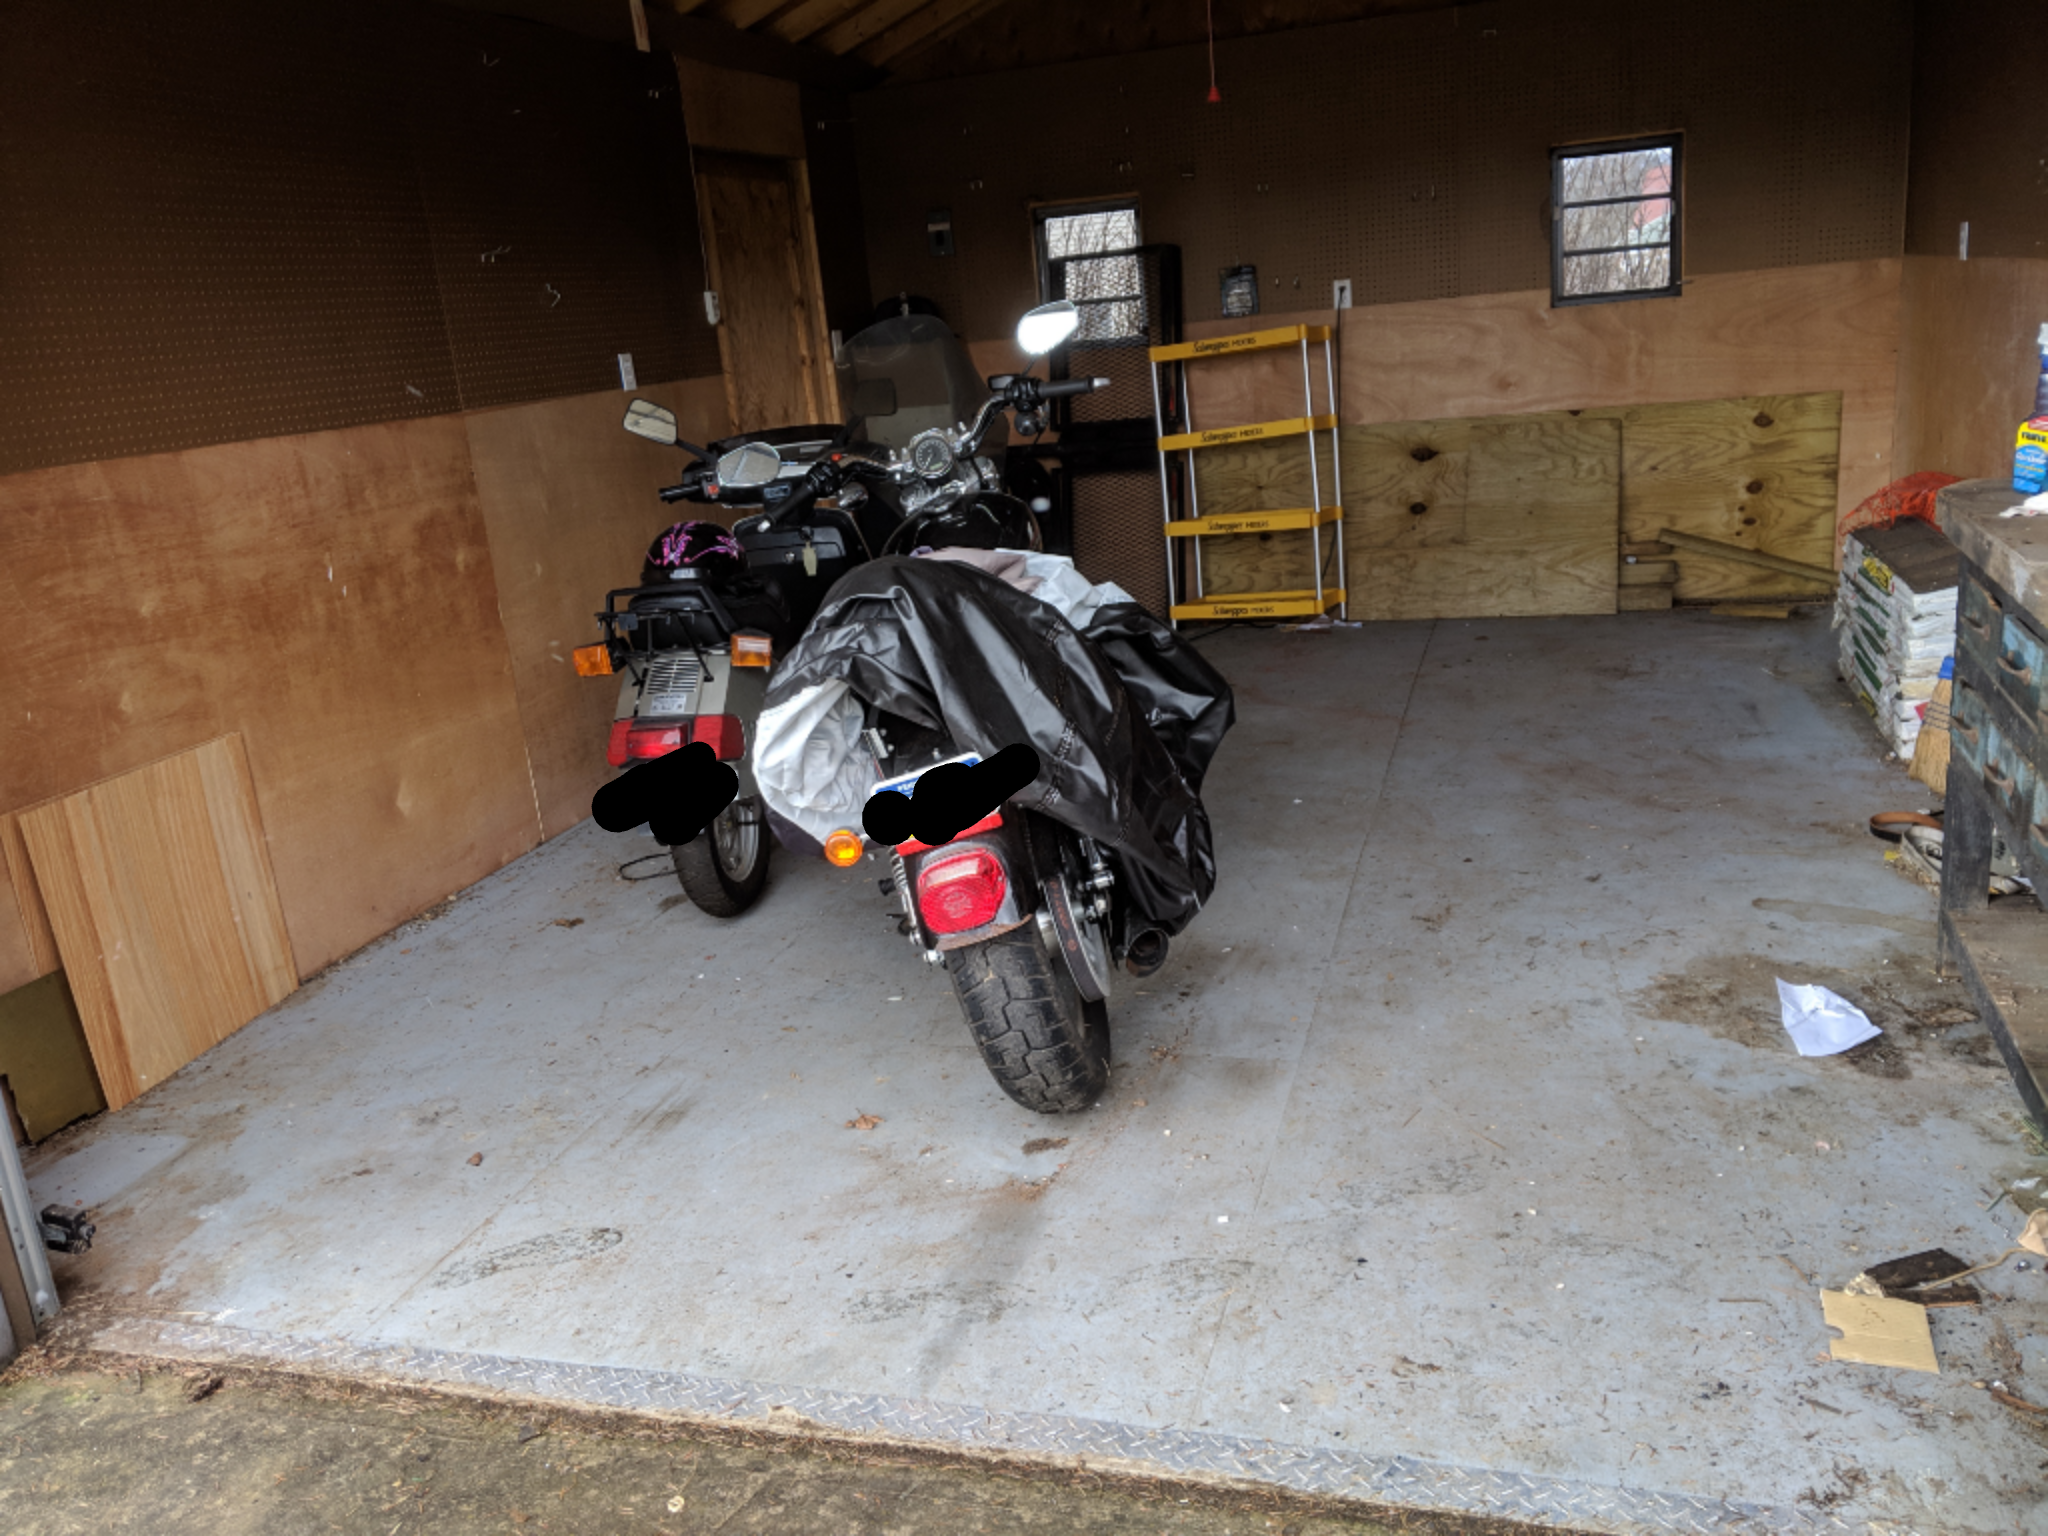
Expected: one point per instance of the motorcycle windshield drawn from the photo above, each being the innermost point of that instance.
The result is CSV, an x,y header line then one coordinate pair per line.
x,y
906,375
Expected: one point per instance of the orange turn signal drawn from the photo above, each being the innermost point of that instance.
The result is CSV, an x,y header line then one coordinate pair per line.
x,y
593,661
844,848
752,651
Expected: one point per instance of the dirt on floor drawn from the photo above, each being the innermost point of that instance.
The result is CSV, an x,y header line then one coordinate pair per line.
x,y
99,1446
1736,997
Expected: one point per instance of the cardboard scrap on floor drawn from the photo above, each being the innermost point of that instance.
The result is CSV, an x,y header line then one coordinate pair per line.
x,y
2034,1236
1876,1330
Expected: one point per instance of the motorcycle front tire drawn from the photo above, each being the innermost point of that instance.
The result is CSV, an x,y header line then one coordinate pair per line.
x,y
724,867
1043,1045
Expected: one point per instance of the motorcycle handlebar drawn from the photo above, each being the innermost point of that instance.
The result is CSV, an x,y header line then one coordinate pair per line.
x,y
1054,389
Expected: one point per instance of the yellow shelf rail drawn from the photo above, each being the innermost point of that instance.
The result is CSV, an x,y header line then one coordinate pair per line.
x,y
1196,604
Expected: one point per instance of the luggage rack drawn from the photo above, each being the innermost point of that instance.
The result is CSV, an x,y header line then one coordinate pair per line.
x,y
1302,603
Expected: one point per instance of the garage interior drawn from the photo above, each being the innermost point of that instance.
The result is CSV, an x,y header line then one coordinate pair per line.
x,y
1458,1162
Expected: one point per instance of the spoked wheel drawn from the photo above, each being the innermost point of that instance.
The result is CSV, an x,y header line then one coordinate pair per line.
x,y
724,867
1045,1046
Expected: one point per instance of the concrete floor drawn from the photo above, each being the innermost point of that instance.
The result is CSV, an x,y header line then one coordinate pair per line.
x,y
1460,1128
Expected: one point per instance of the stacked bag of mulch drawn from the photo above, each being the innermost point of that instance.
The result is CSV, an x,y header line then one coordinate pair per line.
x,y
1895,610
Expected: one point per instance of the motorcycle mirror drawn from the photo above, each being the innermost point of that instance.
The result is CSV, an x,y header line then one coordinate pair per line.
x,y
874,397
749,465
654,422
1047,326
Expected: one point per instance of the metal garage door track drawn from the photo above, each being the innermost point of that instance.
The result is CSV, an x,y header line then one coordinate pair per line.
x,y
1456,1160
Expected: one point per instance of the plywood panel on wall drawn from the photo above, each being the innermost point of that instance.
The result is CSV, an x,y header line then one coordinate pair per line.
x,y
1442,519
1787,331
159,889
1756,472
744,113
569,503
330,597
1967,362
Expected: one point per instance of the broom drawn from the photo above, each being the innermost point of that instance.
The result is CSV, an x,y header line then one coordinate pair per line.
x,y
1930,750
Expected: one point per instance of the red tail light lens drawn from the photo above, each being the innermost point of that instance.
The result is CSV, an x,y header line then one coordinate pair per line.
x,y
633,742
723,734
963,892
645,741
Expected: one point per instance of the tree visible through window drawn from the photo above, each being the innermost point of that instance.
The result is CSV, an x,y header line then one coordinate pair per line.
x,y
1615,221
1083,256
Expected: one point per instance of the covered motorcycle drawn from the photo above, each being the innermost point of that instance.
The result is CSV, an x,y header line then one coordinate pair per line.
x,y
967,643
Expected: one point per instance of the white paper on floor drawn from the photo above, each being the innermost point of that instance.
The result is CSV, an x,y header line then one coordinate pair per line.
x,y
1822,1023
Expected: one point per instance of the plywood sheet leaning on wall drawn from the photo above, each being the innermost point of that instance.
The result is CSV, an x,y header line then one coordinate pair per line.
x,y
1477,518
159,890
1757,472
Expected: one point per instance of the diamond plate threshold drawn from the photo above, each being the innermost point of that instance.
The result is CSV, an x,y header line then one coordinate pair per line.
x,y
1403,1482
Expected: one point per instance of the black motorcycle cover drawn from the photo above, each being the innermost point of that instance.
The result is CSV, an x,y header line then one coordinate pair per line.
x,y
1123,714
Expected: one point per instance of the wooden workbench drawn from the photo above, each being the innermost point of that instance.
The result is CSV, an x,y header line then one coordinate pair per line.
x,y
1998,774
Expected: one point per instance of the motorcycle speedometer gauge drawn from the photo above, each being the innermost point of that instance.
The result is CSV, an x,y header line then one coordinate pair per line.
x,y
931,455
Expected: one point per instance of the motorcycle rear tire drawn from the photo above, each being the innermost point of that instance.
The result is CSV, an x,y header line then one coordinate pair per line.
x,y
725,880
1045,1048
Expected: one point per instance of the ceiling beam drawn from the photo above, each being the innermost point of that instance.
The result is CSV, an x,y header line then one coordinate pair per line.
x,y
745,13
704,37
812,16
924,25
866,24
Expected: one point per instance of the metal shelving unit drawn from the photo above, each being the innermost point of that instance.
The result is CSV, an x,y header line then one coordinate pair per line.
x,y
1313,519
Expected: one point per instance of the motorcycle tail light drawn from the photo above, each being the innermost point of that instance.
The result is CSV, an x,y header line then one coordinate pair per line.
x,y
634,742
962,892
645,741
593,660
843,848
752,651
722,734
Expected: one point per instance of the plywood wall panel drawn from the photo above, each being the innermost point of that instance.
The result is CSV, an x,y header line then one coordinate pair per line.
x,y
1967,362
1758,472
329,596
1786,331
159,890
569,504
744,113
1517,515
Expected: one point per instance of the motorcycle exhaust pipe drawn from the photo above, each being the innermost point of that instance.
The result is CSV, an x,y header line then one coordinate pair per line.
x,y
1146,953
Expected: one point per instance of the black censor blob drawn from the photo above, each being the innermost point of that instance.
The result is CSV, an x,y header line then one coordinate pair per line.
x,y
676,794
949,799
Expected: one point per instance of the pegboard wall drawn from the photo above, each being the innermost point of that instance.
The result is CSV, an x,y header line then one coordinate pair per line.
x,y
242,220
1407,153
1980,131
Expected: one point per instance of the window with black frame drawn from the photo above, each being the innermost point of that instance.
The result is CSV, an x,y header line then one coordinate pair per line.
x,y
1086,251
1615,221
